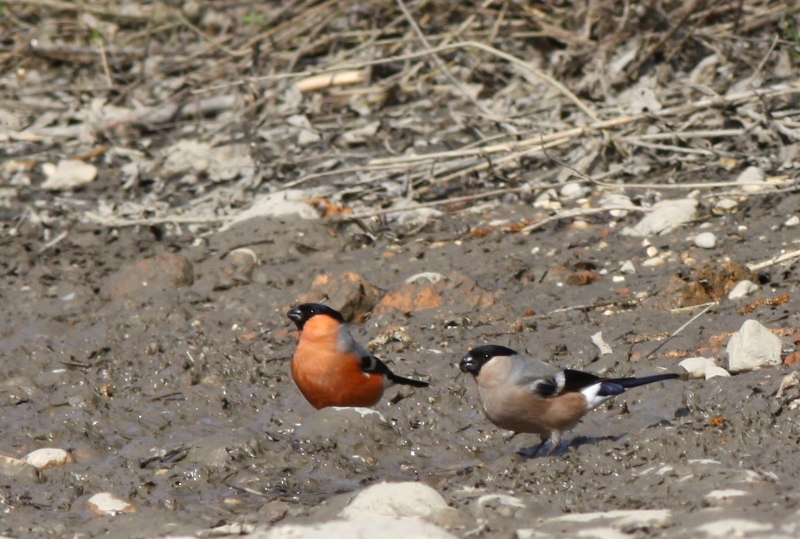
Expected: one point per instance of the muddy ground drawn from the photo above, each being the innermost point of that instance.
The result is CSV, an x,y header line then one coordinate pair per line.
x,y
134,335
177,397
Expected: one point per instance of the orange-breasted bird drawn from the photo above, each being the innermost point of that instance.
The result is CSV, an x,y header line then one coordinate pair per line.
x,y
331,368
523,394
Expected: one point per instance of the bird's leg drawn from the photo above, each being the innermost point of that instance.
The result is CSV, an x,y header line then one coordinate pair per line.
x,y
555,440
535,451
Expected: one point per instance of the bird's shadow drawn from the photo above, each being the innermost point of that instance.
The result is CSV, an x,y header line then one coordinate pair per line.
x,y
577,441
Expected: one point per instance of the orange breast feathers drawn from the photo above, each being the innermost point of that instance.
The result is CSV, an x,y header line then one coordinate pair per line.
x,y
327,376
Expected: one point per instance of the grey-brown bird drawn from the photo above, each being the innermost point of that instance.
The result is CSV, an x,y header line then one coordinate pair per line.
x,y
526,395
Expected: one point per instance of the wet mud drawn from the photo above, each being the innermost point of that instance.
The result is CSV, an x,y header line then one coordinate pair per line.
x,y
162,365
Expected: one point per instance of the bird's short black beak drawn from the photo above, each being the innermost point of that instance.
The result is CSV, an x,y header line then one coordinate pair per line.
x,y
296,316
468,364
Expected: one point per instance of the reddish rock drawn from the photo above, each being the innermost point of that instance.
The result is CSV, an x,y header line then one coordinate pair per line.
x,y
455,290
792,358
582,278
149,276
348,293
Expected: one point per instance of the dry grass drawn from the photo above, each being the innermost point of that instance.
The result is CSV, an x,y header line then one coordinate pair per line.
x,y
471,99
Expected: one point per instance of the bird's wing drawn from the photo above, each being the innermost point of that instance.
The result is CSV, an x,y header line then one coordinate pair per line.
x,y
369,363
545,380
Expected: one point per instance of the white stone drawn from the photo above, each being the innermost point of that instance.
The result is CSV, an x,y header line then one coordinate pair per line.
x,y
622,518
105,503
360,410
503,499
712,372
748,476
789,381
665,216
407,499
752,175
627,267
705,240
723,494
794,220
307,136
602,533
652,251
547,200
47,457
367,526
697,366
742,289
602,346
618,200
733,527
430,276
573,190
67,174
753,347
618,279
726,205
653,262
664,470
579,224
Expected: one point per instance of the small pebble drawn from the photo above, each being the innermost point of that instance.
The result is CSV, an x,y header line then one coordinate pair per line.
x,y
580,224
724,494
742,289
733,527
545,199
794,220
619,200
752,175
725,205
573,190
67,174
712,372
627,267
652,251
652,262
618,279
697,366
243,256
663,217
705,240
48,457
105,503
601,345
307,137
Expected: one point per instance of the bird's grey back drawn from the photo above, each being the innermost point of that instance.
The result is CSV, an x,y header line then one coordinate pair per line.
x,y
524,370
348,345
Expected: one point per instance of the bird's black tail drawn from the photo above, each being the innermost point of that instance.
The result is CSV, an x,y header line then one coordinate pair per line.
x,y
406,381
615,386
